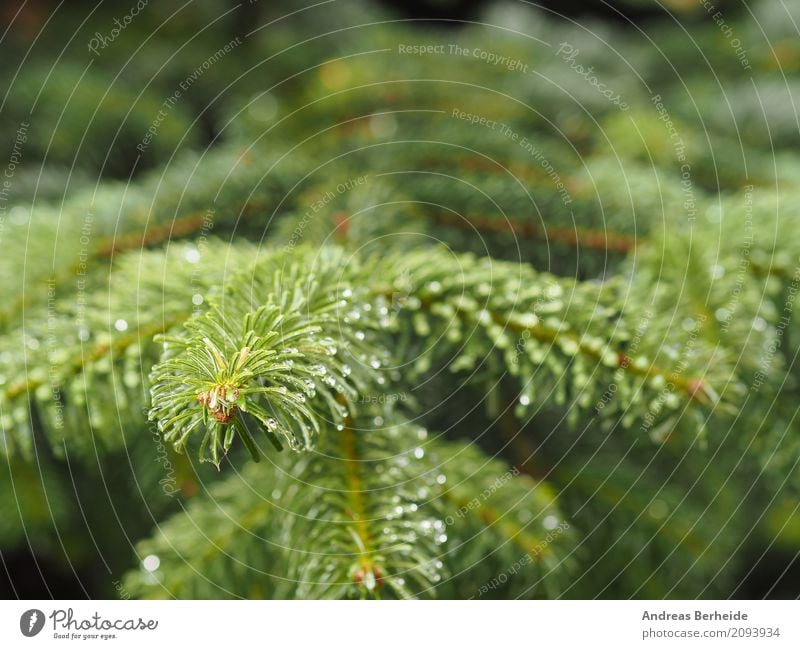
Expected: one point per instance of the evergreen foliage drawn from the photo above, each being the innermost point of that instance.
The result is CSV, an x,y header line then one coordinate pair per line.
x,y
363,323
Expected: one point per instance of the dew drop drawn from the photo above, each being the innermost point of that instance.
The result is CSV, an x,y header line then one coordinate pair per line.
x,y
18,215
658,509
151,563
550,522
192,255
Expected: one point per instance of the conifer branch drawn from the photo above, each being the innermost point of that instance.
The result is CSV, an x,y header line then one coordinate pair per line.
x,y
409,523
610,241
77,365
368,573
76,348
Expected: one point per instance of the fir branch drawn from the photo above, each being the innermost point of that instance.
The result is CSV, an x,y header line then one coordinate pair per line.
x,y
561,325
289,529
610,241
506,534
194,196
285,365
544,316
368,573
76,352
